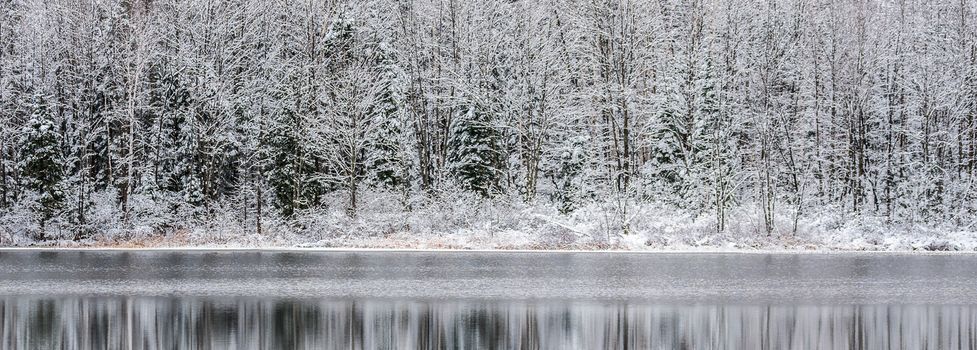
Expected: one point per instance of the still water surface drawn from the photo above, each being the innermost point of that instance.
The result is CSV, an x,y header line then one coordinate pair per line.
x,y
457,300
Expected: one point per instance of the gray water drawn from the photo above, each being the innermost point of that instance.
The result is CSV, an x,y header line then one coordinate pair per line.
x,y
458,300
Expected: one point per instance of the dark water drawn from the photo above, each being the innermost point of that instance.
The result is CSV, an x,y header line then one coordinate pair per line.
x,y
451,300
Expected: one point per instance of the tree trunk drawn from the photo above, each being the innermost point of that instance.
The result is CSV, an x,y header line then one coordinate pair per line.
x,y
258,202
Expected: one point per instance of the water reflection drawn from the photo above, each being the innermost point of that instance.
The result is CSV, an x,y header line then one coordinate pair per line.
x,y
182,323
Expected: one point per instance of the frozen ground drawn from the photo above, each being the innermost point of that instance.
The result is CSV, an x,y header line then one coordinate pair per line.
x,y
461,224
841,240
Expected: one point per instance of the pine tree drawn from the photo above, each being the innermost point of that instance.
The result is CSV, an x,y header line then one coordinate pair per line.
x,y
678,152
298,141
41,164
388,161
717,164
475,159
566,170
690,103
171,101
291,165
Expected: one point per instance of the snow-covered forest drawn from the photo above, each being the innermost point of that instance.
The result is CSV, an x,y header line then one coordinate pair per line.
x,y
490,123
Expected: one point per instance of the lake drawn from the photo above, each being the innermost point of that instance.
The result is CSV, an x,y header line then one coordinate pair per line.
x,y
484,300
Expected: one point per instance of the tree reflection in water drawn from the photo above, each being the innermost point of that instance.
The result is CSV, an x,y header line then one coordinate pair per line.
x,y
188,323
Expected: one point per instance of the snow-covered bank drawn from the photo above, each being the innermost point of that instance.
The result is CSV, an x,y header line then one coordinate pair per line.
x,y
512,225
459,243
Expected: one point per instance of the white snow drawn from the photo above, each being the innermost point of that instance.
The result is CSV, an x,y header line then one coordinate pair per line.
x,y
504,224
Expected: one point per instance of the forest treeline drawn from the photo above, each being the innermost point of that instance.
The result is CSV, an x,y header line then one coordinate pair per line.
x,y
142,109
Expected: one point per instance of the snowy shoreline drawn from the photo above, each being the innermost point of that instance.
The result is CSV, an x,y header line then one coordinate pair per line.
x,y
354,249
510,225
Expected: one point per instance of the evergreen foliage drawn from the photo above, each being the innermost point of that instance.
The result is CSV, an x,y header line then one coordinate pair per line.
x,y
475,160
42,162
